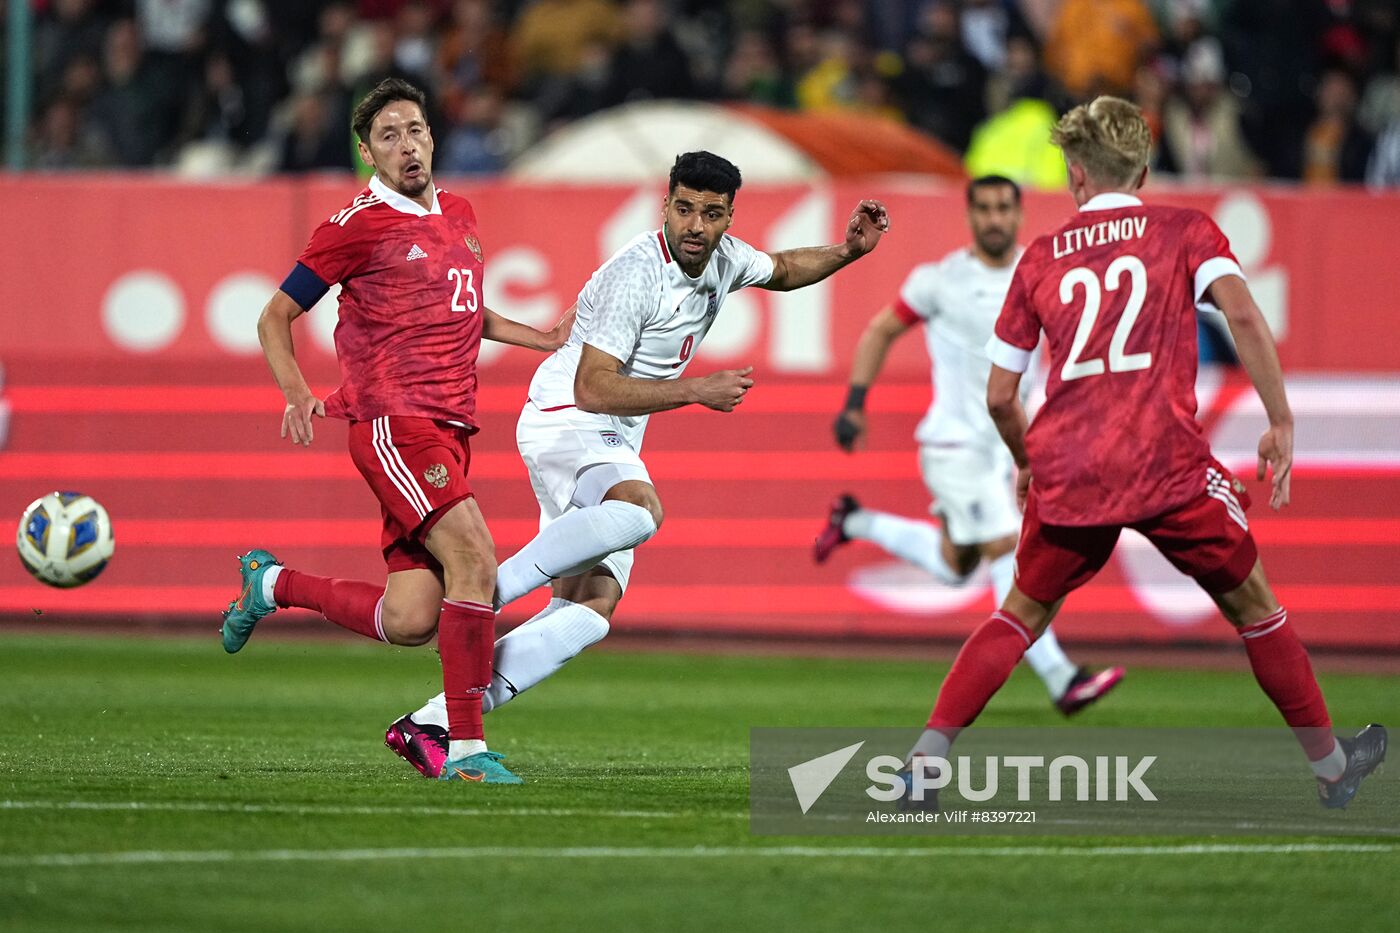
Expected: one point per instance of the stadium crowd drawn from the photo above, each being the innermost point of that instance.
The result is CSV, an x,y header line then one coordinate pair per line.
x,y
1291,89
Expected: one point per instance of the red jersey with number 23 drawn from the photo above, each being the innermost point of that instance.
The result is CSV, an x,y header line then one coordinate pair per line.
x,y
410,305
1115,291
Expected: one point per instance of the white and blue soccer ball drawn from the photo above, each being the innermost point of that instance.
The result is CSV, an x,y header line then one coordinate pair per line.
x,y
65,539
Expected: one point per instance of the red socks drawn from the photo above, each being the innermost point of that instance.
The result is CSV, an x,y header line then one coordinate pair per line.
x,y
987,658
350,604
1284,672
466,640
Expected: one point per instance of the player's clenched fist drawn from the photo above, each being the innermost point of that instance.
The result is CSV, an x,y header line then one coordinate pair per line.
x,y
723,390
869,221
849,427
296,419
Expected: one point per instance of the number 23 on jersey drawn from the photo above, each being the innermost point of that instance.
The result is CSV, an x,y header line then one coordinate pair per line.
x,y
464,297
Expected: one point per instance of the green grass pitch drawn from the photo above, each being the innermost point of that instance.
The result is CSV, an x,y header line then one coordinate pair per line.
x,y
187,790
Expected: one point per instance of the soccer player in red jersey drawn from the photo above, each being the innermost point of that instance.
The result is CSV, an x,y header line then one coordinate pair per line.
x,y
411,319
1116,444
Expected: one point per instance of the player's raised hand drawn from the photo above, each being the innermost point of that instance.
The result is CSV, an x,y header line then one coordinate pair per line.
x,y
1276,454
869,221
849,429
723,390
296,419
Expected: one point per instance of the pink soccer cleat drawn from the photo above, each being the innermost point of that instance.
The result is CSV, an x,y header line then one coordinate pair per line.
x,y
424,747
1088,687
832,536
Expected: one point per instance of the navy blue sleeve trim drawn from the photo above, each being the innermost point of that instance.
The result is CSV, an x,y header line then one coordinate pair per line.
x,y
304,287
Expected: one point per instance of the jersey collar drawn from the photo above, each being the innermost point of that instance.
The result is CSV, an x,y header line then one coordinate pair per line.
x,y
402,203
1110,201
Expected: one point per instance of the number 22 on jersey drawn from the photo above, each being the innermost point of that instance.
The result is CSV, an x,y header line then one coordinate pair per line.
x,y
1118,360
466,289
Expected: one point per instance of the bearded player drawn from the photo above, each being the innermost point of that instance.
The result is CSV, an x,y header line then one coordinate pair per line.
x,y
967,468
641,318
411,319
1116,444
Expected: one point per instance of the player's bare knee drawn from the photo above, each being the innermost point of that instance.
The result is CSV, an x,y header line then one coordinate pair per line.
x,y
635,492
1252,601
409,627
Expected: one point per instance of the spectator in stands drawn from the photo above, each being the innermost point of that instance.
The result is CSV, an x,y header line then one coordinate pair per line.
x,y
1095,46
70,30
474,143
754,73
1380,102
556,39
830,83
987,29
1201,135
1335,147
62,143
650,63
128,112
314,141
1384,168
474,52
943,85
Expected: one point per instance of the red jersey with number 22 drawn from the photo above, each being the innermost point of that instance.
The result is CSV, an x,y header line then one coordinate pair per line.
x,y
1115,291
410,305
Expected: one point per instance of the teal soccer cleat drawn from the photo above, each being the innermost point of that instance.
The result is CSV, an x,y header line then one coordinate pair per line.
x,y
245,611
483,767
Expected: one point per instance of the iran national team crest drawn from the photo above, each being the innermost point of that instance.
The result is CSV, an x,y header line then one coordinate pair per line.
x,y
611,438
473,244
712,305
436,475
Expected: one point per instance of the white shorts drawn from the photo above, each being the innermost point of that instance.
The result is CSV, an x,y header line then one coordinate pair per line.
x,y
573,458
973,489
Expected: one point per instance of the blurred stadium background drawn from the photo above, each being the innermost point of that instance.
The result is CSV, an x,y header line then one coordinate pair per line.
x,y
167,160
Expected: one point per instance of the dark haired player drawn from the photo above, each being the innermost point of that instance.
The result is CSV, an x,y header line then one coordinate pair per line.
x,y
409,262
968,470
1116,444
640,319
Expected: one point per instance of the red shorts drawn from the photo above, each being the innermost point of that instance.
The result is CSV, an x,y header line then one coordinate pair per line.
x,y
417,468
1206,538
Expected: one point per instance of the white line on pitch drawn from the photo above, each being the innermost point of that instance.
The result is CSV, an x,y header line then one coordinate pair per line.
x,y
84,859
290,809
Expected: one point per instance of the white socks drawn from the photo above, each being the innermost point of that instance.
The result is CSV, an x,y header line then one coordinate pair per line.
x,y
458,749
571,544
529,654
269,583
915,542
1333,766
1045,656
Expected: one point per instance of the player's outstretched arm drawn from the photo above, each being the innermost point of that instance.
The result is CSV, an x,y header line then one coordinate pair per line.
x,y
1259,354
880,334
795,268
504,330
1004,405
275,335
600,386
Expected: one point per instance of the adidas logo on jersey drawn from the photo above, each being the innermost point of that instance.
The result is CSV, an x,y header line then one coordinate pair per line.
x,y
416,253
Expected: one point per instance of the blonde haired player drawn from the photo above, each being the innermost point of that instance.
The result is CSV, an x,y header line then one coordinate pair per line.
x,y
1116,444
965,466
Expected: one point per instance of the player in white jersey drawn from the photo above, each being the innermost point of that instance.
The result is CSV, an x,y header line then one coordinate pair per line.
x,y
965,465
641,318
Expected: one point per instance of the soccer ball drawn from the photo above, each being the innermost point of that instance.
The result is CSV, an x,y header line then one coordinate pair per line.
x,y
65,539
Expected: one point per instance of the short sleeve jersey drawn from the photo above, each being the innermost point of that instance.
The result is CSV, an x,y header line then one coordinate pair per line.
x,y
1115,291
643,309
410,315
958,298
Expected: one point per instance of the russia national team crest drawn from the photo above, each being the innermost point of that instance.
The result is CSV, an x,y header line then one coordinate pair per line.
x,y
436,475
611,438
473,244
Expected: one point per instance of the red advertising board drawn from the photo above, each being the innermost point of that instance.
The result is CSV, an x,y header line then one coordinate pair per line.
x,y
133,374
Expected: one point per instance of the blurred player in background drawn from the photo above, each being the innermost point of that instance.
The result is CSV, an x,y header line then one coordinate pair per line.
x,y
1116,443
641,318
409,262
968,470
